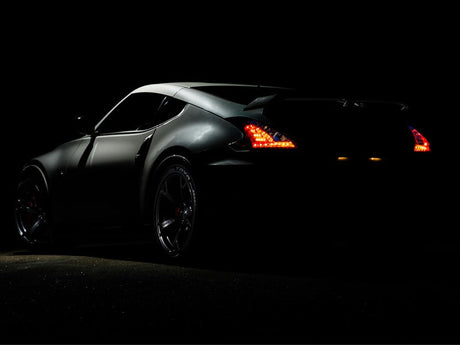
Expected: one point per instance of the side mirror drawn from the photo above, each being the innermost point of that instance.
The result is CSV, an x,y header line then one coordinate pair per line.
x,y
83,126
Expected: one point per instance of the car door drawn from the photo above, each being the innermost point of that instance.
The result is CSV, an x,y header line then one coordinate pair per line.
x,y
109,165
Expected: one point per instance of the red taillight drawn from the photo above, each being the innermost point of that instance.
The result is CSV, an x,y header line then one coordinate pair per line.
x,y
421,143
266,138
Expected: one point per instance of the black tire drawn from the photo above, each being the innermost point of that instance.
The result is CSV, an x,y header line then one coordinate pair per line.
x,y
32,216
175,207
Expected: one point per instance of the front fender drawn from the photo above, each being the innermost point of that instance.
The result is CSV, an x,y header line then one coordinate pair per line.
x,y
56,162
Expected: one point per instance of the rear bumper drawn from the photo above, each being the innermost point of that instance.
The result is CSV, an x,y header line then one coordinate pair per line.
x,y
290,200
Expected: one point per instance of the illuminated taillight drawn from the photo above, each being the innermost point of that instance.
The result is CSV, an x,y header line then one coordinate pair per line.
x,y
265,137
421,143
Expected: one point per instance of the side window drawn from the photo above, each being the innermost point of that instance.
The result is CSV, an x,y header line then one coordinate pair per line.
x,y
132,114
168,108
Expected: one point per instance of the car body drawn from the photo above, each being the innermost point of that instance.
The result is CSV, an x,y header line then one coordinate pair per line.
x,y
170,156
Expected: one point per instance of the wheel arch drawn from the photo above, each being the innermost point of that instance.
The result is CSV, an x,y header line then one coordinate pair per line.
x,y
37,166
177,154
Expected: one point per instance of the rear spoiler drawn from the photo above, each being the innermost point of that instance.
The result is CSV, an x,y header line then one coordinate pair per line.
x,y
262,102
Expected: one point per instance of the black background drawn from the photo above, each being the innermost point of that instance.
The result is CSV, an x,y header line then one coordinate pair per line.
x,y
60,61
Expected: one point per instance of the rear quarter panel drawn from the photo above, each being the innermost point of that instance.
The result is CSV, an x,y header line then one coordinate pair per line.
x,y
195,131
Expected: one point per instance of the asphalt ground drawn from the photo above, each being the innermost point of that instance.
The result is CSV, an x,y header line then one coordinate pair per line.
x,y
127,294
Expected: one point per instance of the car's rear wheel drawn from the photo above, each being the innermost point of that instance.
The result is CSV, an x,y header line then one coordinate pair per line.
x,y
32,208
175,210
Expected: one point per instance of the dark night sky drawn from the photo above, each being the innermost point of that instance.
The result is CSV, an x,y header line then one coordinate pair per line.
x,y
64,60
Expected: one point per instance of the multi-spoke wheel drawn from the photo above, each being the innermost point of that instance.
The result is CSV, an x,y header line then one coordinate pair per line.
x,y
32,208
175,207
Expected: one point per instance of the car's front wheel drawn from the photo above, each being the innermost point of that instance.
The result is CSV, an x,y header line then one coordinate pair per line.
x,y
175,210
32,208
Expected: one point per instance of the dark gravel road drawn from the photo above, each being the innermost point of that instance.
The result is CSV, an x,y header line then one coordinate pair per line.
x,y
124,294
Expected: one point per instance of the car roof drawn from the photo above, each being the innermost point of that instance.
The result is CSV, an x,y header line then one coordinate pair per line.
x,y
195,93
172,88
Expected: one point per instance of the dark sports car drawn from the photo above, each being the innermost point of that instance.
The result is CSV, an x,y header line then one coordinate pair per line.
x,y
172,159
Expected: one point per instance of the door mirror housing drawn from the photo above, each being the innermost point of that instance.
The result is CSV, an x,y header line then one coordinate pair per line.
x,y
83,125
